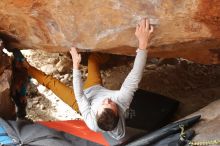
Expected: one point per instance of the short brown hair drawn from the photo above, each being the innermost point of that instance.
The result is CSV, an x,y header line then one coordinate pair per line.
x,y
107,120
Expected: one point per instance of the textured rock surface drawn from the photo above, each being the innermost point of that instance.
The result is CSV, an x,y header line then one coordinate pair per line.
x,y
208,128
187,28
7,108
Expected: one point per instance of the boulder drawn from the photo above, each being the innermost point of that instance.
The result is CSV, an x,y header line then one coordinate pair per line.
x,y
7,107
183,28
208,128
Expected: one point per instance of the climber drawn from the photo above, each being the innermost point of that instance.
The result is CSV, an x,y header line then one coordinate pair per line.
x,y
102,109
19,87
19,84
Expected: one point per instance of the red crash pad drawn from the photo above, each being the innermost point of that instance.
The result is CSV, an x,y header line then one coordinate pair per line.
x,y
77,128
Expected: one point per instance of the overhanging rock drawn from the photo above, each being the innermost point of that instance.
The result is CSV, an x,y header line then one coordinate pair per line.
x,y
186,28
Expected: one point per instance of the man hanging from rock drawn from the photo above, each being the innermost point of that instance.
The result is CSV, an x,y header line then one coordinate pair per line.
x,y
102,109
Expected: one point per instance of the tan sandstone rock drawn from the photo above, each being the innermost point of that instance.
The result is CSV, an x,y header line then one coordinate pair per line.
x,y
7,107
208,128
186,28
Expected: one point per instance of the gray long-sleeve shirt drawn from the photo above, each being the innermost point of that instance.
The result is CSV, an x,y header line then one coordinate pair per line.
x,y
89,99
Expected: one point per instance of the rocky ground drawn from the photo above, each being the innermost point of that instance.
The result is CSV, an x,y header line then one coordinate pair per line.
x,y
194,85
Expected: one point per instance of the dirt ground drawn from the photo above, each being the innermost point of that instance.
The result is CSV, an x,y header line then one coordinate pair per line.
x,y
194,85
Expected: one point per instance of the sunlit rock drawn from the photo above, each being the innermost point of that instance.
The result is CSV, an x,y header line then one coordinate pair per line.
x,y
185,28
